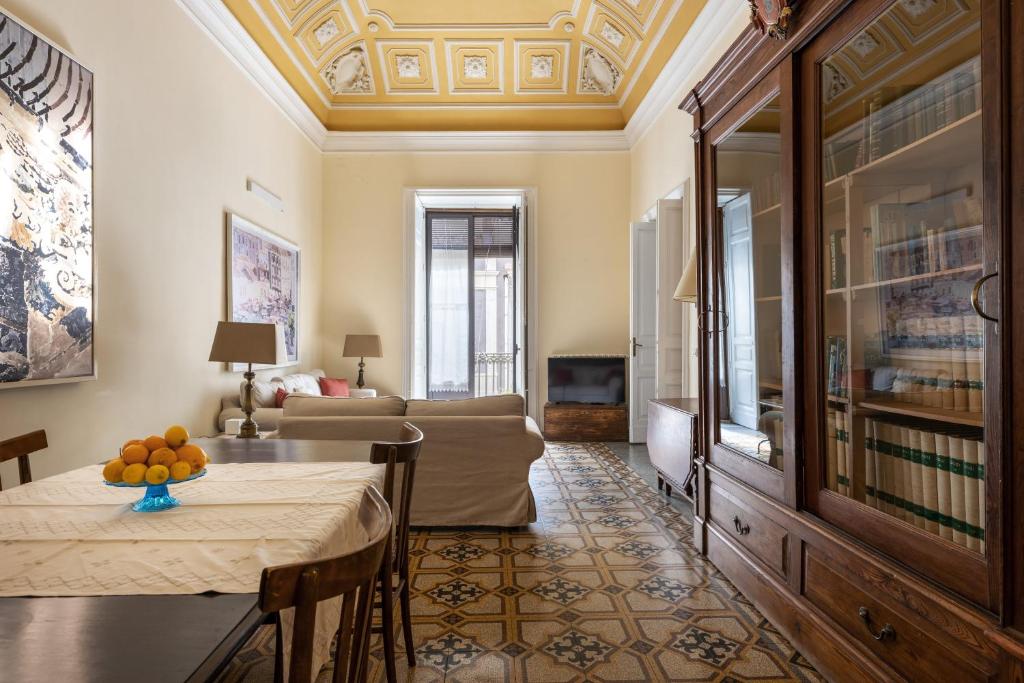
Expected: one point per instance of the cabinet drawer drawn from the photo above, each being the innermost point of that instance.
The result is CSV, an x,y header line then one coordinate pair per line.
x,y
923,646
753,530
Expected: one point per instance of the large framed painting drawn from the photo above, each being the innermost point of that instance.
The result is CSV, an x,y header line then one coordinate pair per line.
x,y
263,280
47,297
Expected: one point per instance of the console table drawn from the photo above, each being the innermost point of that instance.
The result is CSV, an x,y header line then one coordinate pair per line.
x,y
671,441
586,422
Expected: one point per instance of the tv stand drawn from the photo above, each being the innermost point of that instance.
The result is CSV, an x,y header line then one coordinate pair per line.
x,y
586,422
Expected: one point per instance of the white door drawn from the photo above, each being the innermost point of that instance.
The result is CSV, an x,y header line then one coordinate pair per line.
x,y
671,259
740,330
643,326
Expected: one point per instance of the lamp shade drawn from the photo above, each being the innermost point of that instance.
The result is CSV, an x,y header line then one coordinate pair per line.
x,y
687,289
261,343
362,346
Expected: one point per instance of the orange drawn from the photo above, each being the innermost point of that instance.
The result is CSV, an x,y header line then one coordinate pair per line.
x,y
113,471
162,456
131,443
134,474
181,470
157,474
193,455
155,443
134,454
176,436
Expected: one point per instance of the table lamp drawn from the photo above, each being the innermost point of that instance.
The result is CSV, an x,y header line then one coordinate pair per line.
x,y
362,346
249,343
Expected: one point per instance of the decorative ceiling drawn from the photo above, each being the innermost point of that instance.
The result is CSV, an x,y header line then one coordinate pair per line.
x,y
394,65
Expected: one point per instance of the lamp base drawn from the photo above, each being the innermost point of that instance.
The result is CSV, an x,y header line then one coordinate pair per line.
x,y
249,430
359,382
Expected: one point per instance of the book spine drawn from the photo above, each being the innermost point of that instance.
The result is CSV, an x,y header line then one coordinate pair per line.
x,y
930,498
973,341
957,489
831,467
945,505
972,503
907,465
959,346
870,464
842,476
981,495
917,477
851,469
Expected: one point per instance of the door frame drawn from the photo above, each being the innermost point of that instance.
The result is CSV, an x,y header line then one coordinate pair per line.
x,y
417,198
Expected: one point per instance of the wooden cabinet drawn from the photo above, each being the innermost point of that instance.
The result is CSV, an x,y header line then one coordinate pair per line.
x,y
672,441
586,422
859,182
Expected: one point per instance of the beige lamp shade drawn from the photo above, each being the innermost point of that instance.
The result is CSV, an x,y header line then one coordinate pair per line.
x,y
687,289
362,346
261,343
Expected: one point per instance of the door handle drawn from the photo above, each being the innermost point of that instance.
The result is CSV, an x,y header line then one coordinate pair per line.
x,y
636,345
976,296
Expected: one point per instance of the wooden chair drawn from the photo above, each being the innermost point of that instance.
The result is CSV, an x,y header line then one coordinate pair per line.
x,y
396,564
353,577
19,447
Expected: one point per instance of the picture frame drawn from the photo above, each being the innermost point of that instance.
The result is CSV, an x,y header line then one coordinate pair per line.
x,y
47,252
263,281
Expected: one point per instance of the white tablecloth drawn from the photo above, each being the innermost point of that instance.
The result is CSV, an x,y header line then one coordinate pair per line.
x,y
72,535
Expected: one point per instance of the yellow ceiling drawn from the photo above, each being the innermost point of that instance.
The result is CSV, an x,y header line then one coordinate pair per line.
x,y
393,65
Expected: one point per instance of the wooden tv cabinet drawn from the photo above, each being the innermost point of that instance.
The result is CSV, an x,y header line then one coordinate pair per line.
x,y
586,422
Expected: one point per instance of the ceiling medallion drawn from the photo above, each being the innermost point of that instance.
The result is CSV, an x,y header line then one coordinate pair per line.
x,y
772,17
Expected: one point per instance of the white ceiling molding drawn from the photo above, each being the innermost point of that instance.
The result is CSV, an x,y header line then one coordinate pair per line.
x,y
223,27
218,21
474,141
711,23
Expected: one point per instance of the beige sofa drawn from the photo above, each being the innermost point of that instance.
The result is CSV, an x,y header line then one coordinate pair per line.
x,y
474,465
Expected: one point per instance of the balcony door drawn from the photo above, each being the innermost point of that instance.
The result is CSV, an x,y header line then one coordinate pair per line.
x,y
472,307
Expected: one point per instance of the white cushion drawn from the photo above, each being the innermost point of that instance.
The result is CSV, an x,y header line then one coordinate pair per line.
x,y
264,394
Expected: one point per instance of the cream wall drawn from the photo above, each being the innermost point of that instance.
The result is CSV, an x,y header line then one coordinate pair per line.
x,y
663,160
178,130
580,231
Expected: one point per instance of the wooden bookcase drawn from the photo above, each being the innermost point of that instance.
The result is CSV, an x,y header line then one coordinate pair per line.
x,y
878,482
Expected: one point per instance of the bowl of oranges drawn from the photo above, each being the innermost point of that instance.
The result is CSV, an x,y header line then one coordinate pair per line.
x,y
156,462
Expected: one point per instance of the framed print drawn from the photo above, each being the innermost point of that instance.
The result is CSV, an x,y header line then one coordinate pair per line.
x,y
47,295
263,281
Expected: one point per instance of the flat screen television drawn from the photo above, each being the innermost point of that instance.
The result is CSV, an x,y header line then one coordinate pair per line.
x,y
587,379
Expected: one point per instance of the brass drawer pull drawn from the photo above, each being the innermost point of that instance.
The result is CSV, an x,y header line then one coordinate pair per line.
x,y
741,528
887,632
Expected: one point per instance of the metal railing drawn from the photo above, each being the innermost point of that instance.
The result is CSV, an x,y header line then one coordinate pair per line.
x,y
495,374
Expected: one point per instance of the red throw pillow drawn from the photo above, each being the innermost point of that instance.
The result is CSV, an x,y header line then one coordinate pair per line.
x,y
334,387
279,397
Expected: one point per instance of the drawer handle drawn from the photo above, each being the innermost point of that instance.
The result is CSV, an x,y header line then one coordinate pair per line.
x,y
887,632
741,528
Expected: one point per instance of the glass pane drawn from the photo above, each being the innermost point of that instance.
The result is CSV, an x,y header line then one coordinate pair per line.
x,y
448,308
748,169
902,219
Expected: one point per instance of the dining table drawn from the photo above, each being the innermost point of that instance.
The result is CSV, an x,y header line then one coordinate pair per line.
x,y
92,591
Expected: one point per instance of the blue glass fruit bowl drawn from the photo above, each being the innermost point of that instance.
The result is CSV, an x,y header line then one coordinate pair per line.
x,y
157,497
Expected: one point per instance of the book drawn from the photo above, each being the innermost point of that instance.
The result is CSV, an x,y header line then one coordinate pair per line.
x,y
907,467
837,258
870,464
945,506
913,445
972,503
981,495
957,489
929,481
842,476
959,353
832,450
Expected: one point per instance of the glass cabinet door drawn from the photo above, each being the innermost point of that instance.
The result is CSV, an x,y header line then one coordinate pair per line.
x,y
900,228
748,338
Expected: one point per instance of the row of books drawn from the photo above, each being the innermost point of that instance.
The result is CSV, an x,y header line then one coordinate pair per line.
x,y
893,119
958,387
931,478
934,479
900,243
838,383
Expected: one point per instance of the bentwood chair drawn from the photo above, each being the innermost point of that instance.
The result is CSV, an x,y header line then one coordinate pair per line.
x,y
304,584
19,447
404,452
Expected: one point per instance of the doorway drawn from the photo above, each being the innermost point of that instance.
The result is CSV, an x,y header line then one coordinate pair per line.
x,y
472,281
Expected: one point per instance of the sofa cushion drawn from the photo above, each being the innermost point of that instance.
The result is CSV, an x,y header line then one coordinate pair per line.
x,y
327,406
302,383
263,393
333,387
511,404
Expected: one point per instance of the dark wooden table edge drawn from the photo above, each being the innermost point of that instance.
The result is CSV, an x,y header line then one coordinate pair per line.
x,y
221,655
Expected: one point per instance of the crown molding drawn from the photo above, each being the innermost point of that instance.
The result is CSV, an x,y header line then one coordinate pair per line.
x,y
221,25
711,23
225,30
476,141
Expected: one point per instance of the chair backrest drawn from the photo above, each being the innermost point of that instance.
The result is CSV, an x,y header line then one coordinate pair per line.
x,y
404,452
19,447
353,577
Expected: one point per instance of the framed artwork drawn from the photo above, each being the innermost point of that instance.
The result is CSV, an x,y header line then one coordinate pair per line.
x,y
47,293
263,281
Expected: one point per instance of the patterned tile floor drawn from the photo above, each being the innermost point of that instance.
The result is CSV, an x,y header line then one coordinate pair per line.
x,y
606,586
